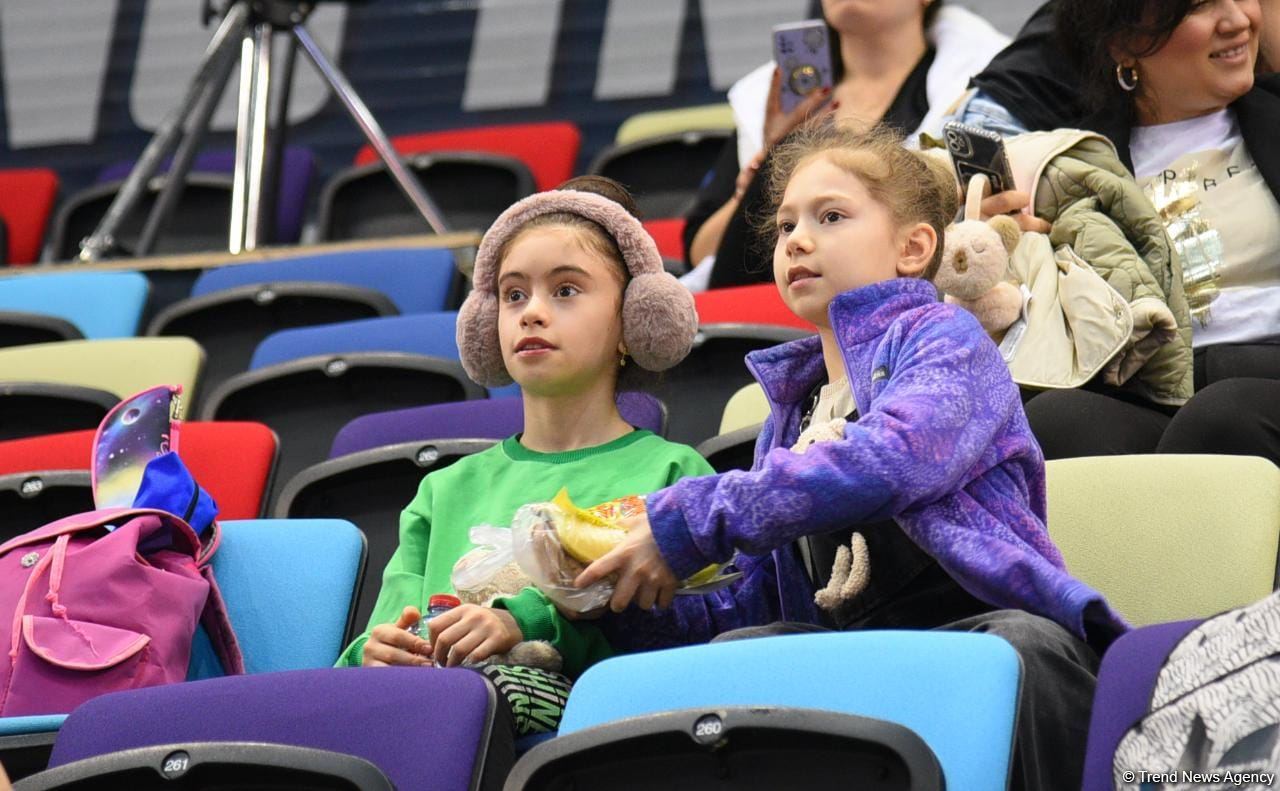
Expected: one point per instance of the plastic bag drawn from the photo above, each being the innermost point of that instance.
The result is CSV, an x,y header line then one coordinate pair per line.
x,y
478,568
554,542
539,552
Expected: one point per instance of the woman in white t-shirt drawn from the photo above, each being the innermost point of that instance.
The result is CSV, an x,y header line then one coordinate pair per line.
x,y
1174,87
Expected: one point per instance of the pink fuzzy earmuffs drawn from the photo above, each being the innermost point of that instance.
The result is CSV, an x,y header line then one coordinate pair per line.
x,y
658,318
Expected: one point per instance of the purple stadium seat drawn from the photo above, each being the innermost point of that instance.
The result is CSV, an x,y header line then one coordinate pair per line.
x,y
423,728
296,172
1126,680
495,418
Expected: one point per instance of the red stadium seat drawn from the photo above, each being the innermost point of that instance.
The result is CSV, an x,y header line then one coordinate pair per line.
x,y
669,234
26,200
233,461
759,304
549,149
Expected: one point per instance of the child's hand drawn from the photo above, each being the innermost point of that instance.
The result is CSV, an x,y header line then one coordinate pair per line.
x,y
471,632
392,644
643,574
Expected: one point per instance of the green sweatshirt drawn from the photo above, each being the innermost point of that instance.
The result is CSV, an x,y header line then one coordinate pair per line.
x,y
488,488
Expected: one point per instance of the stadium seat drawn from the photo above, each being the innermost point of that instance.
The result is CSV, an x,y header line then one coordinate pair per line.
x,y
370,488
470,188
657,123
1126,680
26,200
734,447
550,149
493,418
289,588
756,304
199,223
747,407
239,489
415,279
19,328
430,334
663,173
956,692
270,767
57,309
425,730
50,387
41,495
297,171
1168,537
309,383
669,236
698,389
233,308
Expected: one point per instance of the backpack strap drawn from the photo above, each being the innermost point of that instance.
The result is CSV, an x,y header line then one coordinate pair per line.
x,y
214,618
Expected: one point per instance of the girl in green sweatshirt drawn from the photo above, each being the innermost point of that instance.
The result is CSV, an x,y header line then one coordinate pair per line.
x,y
568,291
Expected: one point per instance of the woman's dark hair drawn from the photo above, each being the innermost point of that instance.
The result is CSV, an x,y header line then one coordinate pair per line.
x,y
837,60
1090,30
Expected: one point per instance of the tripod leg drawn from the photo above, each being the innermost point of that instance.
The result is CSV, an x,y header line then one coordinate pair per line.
x,y
258,136
175,182
372,131
244,119
166,137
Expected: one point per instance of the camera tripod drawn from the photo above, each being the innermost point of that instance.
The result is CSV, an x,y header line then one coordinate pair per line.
x,y
248,25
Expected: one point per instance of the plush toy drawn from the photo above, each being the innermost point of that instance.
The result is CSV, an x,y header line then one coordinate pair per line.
x,y
975,260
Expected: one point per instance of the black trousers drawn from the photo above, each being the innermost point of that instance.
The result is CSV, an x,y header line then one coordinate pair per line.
x,y
1059,673
1235,411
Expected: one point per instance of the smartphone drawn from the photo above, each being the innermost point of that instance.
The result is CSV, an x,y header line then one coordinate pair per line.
x,y
802,51
975,151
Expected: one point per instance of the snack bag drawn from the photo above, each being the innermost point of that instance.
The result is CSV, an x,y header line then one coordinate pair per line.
x,y
554,542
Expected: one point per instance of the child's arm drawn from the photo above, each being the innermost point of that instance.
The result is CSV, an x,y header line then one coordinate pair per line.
x,y
927,434
404,578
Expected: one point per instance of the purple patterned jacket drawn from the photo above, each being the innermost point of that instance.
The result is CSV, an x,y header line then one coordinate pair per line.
x,y
941,445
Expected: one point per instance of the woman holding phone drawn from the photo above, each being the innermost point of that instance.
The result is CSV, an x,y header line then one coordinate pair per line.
x,y
1174,86
895,62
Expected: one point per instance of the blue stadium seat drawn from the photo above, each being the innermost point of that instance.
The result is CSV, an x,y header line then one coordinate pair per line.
x,y
232,309
431,334
118,299
957,692
417,280
290,588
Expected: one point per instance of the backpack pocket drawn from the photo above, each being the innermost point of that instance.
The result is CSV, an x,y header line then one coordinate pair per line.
x,y
61,663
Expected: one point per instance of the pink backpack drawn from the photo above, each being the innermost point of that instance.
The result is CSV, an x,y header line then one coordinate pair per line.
x,y
94,610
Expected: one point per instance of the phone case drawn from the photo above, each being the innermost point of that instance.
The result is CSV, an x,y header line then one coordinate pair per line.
x,y
802,51
133,433
975,151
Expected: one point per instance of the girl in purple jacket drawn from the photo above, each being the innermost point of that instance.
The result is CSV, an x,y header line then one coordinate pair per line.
x,y
895,483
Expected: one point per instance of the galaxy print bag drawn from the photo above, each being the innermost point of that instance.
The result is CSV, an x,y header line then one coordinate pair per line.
x,y
110,599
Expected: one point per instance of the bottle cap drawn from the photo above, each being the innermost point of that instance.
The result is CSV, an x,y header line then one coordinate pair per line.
x,y
443,601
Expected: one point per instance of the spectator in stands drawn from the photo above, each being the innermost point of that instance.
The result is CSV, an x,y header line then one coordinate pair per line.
x,y
1172,85
897,62
1033,85
570,294
896,475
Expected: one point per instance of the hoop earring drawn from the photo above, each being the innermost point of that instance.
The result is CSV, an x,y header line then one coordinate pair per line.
x,y
1131,84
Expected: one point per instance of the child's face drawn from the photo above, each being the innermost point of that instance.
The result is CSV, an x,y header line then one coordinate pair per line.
x,y
559,318
833,237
